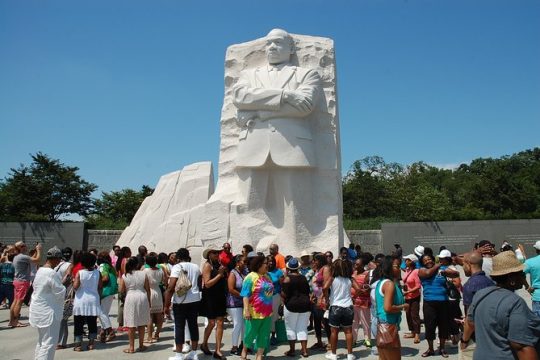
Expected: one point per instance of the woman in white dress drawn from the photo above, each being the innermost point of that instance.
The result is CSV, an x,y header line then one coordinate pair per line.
x,y
135,285
156,276
86,305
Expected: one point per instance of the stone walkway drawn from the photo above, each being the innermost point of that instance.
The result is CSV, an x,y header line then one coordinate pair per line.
x,y
19,344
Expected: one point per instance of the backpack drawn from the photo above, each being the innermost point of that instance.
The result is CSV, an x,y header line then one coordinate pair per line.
x,y
183,284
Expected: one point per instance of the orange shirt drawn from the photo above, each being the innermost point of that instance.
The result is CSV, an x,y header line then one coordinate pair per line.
x,y
280,261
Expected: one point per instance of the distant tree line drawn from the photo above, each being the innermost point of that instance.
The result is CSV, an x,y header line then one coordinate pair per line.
x,y
48,190
374,191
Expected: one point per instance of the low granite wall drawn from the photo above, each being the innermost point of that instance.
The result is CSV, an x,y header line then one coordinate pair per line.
x,y
103,239
369,240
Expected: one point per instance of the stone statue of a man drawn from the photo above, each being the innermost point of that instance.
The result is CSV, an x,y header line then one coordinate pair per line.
x,y
275,150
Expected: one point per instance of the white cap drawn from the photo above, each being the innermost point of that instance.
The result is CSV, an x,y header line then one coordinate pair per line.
x,y
445,254
537,245
419,250
411,257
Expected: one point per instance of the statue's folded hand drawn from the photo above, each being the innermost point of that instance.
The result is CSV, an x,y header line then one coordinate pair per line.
x,y
298,101
246,118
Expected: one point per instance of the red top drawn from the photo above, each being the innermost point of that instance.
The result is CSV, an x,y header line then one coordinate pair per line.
x,y
76,269
225,258
411,280
361,298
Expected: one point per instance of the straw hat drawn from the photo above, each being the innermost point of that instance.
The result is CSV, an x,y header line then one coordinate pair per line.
x,y
305,253
506,263
208,250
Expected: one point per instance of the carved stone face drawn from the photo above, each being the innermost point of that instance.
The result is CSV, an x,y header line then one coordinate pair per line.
x,y
278,47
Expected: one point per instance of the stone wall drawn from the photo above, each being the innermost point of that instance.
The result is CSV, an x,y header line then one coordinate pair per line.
x,y
369,240
103,239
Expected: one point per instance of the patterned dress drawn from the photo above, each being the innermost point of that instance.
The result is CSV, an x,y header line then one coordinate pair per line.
x,y
136,306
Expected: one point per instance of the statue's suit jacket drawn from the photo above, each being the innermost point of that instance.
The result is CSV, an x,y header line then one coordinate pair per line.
x,y
279,130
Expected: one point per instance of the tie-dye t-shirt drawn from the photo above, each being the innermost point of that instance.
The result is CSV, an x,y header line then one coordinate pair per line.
x,y
259,289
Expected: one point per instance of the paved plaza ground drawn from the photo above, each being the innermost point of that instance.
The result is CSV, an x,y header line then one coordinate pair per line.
x,y
19,344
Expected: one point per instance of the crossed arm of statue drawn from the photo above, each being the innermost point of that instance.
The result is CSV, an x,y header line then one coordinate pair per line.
x,y
260,104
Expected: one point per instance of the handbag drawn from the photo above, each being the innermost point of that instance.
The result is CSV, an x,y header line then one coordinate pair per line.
x,y
281,332
68,303
183,284
387,336
452,290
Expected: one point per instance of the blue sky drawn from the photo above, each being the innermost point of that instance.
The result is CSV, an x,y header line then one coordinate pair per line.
x,y
131,90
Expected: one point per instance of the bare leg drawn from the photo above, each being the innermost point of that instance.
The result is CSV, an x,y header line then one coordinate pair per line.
x,y
131,337
292,346
141,338
150,329
14,312
159,325
303,344
260,354
219,335
333,339
348,339
207,333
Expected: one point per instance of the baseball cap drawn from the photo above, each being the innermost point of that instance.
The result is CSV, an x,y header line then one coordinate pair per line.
x,y
419,250
411,257
445,254
537,245
54,253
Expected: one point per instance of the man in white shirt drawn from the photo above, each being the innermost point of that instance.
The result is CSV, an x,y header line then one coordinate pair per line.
x,y
185,307
47,305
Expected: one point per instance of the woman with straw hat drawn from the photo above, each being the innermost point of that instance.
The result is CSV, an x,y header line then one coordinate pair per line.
x,y
503,324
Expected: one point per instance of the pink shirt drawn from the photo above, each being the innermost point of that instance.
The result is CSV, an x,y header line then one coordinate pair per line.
x,y
411,280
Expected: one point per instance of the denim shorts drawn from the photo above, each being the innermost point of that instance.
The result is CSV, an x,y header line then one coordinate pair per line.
x,y
341,316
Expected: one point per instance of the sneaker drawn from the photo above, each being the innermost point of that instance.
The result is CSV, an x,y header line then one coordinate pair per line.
x,y
178,356
367,343
186,348
192,356
330,356
351,357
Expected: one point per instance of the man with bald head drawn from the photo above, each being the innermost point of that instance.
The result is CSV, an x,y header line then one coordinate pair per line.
x,y
472,266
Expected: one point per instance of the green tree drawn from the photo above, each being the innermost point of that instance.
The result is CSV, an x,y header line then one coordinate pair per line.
x,y
116,209
367,188
46,190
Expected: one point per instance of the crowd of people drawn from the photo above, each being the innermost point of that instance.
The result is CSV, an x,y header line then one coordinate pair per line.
x,y
272,297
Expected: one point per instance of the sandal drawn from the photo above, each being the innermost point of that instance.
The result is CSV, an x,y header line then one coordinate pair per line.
x,y
110,337
443,353
428,353
129,351
408,336
142,348
290,353
417,340
305,354
205,350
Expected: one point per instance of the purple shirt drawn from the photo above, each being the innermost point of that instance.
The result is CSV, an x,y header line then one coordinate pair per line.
x,y
477,281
